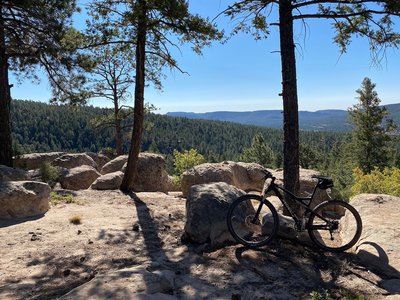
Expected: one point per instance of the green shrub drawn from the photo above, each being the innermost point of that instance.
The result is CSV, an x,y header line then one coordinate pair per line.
x,y
319,295
49,173
62,198
185,160
176,181
377,182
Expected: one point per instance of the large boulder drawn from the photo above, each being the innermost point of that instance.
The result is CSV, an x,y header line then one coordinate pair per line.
x,y
74,160
245,176
79,178
99,159
206,209
114,165
35,160
110,181
20,199
379,245
152,176
12,174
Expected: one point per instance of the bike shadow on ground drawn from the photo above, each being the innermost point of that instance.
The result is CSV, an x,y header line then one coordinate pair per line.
x,y
283,262
375,259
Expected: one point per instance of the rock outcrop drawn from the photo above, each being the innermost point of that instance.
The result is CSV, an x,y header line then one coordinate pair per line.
x,y
79,178
12,174
379,244
114,165
152,176
100,159
244,176
247,177
35,160
20,199
206,212
110,181
73,160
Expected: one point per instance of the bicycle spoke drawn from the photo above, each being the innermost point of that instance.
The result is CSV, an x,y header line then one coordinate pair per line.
x,y
335,226
252,221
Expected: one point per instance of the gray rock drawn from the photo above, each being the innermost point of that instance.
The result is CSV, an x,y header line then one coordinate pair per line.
x,y
100,159
152,176
35,160
110,181
20,199
206,209
74,160
379,244
245,176
114,165
130,283
79,178
12,174
287,230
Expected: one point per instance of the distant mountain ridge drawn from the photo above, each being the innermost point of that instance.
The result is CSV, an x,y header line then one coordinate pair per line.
x,y
321,120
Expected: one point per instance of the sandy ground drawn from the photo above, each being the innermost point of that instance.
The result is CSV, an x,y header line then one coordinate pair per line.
x,y
47,256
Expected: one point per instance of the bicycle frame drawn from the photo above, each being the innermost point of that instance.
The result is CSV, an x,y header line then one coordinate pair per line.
x,y
299,200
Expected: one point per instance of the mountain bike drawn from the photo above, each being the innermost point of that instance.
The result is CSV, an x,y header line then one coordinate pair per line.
x,y
333,225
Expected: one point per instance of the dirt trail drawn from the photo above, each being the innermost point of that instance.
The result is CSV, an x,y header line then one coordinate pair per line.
x,y
45,257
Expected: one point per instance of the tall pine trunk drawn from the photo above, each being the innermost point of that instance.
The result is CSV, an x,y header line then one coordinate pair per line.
x,y
117,121
5,101
138,111
290,101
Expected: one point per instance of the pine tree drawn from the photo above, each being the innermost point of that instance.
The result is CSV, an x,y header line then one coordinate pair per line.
x,y
259,152
111,79
34,33
370,137
366,18
151,27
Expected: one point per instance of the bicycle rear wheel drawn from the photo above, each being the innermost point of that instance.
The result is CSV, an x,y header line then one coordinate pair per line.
x,y
252,221
335,226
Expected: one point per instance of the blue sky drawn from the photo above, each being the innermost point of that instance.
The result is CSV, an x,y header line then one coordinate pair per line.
x,y
245,75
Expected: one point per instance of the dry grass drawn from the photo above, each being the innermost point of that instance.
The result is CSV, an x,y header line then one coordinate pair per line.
x,y
76,219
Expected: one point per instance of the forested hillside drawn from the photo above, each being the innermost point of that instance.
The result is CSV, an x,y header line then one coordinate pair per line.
x,y
321,120
43,127
40,127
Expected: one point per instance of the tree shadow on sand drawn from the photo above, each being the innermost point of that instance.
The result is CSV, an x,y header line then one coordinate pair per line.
x,y
283,268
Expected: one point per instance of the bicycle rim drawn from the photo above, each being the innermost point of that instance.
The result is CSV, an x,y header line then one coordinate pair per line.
x,y
252,221
335,226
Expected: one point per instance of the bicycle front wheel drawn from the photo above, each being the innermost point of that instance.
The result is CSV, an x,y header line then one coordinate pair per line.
x,y
252,221
335,226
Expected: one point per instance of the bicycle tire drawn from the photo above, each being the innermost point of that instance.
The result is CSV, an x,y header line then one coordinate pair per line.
x,y
344,228
240,219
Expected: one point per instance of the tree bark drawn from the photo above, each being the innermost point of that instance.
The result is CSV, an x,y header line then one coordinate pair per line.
x,y
5,101
138,111
290,101
117,120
